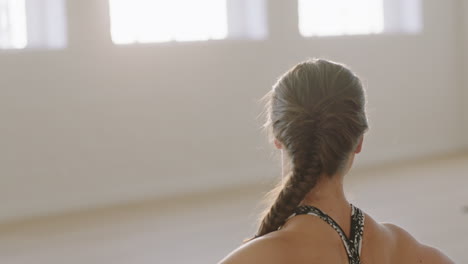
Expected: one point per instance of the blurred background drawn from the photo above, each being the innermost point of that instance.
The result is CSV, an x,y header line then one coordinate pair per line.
x,y
129,129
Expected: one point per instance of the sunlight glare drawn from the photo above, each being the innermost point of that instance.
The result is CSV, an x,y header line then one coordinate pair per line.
x,y
340,17
13,32
143,21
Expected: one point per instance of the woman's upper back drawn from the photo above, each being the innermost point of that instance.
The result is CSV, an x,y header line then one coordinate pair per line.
x,y
312,240
316,115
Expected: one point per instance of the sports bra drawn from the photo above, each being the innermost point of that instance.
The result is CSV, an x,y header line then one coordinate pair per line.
x,y
351,244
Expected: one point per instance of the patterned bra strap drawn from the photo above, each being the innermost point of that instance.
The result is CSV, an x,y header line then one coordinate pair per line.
x,y
353,244
357,229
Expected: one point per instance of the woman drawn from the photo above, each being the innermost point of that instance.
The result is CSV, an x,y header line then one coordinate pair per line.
x,y
316,117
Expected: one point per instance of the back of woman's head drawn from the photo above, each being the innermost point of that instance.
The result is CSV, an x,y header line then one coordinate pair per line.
x,y
316,111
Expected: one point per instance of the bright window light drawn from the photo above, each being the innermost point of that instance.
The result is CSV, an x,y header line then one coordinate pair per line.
x,y
146,21
13,32
340,17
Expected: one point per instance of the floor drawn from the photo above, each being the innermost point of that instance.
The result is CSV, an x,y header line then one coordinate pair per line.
x,y
428,197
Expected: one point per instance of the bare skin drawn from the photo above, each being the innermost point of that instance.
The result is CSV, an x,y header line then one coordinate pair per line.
x,y
308,239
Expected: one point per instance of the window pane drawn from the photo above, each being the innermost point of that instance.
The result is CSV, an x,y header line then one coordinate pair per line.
x,y
166,20
12,24
340,17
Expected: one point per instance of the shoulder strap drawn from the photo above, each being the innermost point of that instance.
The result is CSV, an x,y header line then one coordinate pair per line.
x,y
357,228
353,244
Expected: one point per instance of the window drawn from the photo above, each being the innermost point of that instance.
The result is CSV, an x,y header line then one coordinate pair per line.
x,y
13,32
403,16
143,21
32,24
340,17
247,19
357,17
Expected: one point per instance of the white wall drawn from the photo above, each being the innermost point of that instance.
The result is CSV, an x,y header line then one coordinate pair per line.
x,y
206,227
96,123
464,64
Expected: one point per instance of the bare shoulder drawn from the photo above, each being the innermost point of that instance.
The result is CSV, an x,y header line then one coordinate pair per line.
x,y
266,249
410,250
285,247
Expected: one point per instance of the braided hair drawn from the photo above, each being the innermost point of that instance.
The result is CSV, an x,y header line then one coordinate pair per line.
x,y
317,111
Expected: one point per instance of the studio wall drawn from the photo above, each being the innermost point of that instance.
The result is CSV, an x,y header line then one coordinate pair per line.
x,y
98,124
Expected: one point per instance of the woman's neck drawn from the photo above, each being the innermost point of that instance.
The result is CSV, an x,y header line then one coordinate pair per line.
x,y
328,195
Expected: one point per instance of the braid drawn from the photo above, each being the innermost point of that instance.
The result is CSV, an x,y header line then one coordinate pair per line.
x,y
317,111
305,173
